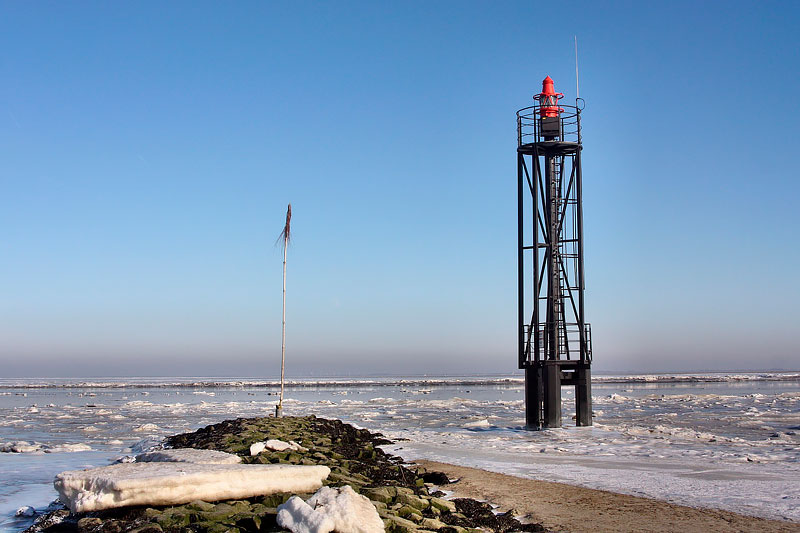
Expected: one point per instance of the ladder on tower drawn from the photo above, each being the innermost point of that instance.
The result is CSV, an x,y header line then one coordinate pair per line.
x,y
561,199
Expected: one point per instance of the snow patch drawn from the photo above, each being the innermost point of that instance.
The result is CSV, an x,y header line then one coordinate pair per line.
x,y
299,517
330,509
257,448
351,512
279,446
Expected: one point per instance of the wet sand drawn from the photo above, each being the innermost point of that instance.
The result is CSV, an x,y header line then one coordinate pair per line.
x,y
562,507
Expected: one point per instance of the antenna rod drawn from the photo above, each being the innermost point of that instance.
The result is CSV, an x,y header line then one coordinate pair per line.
x,y
577,88
285,236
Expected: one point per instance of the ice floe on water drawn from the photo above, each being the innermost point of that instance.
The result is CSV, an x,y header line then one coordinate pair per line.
x,y
482,423
26,512
150,428
38,447
704,440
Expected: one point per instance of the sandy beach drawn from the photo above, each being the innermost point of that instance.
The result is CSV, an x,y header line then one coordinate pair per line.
x,y
562,507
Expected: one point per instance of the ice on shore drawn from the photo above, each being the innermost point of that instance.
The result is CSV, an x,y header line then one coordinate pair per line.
x,y
172,483
189,455
330,509
148,444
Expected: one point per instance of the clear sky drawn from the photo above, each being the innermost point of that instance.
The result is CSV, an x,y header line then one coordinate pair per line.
x,y
148,151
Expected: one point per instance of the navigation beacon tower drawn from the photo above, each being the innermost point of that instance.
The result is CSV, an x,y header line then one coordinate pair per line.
x,y
555,342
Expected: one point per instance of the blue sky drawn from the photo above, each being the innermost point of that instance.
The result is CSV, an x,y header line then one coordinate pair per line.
x,y
148,151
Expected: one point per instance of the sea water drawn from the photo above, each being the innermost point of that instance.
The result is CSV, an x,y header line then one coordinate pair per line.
x,y
729,441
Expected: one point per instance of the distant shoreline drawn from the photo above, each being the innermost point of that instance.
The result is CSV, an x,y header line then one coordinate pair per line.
x,y
340,382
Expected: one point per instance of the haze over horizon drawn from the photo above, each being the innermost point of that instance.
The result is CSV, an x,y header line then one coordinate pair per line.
x,y
149,151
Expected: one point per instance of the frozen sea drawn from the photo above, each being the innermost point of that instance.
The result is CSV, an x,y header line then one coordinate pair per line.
x,y
729,441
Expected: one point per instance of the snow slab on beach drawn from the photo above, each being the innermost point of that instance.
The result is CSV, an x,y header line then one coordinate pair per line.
x,y
171,483
189,455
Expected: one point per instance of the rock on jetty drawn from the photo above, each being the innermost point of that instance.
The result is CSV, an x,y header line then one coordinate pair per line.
x,y
398,492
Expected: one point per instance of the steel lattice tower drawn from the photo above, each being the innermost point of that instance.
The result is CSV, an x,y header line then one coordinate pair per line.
x,y
555,345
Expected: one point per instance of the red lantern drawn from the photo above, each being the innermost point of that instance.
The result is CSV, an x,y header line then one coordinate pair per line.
x,y
548,99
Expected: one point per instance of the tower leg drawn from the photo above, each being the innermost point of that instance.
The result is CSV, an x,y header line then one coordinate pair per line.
x,y
583,396
552,396
533,397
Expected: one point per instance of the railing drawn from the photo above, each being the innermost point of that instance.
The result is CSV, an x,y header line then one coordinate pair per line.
x,y
569,341
529,124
